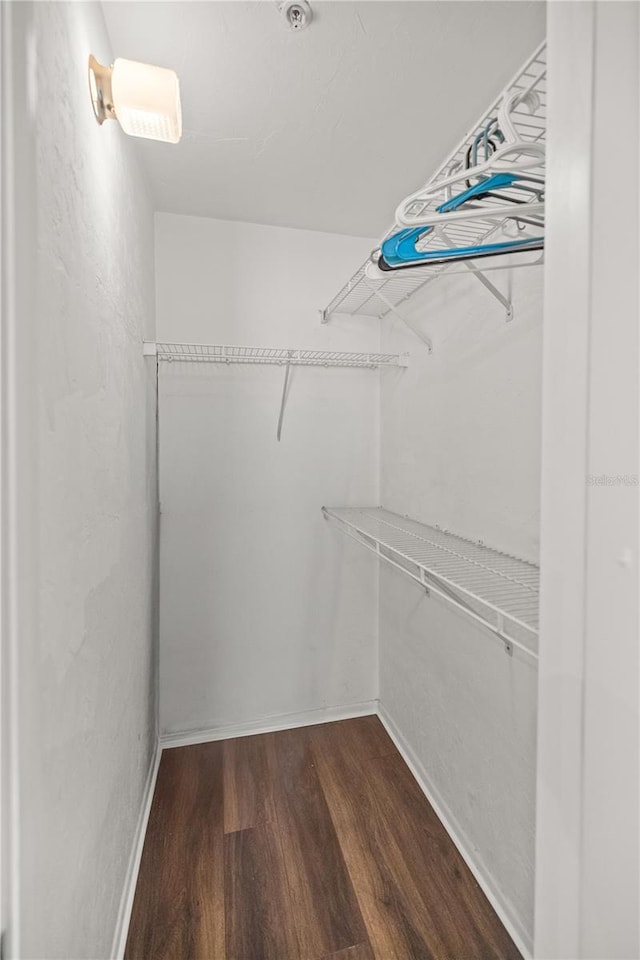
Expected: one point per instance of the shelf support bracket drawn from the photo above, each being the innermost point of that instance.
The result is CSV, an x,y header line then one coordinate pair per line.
x,y
283,402
390,307
491,287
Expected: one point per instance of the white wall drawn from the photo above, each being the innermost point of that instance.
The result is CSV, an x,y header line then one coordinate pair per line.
x,y
266,610
588,809
461,448
83,489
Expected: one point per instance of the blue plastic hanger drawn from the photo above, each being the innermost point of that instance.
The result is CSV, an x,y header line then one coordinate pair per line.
x,y
435,257
400,249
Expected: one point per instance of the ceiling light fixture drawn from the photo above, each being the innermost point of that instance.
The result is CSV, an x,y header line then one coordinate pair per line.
x,y
144,99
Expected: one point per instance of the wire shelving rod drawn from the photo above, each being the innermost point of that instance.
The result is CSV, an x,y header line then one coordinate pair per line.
x,y
493,588
220,353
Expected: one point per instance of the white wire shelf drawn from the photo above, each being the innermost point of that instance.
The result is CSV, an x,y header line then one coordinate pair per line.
x,y
364,295
494,588
218,353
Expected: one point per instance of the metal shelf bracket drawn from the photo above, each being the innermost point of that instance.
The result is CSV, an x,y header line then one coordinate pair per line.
x,y
396,313
491,287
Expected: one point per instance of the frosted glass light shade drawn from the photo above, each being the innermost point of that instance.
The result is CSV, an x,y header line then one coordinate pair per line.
x,y
143,98
146,100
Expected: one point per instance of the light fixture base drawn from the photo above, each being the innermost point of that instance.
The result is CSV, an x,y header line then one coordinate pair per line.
x,y
100,89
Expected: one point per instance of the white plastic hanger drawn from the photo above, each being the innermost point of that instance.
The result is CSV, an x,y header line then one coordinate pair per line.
x,y
514,156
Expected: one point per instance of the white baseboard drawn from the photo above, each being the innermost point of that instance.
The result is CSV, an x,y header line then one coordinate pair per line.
x,y
483,876
126,904
284,721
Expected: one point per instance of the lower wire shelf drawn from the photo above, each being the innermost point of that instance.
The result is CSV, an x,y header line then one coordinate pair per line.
x,y
494,588
220,353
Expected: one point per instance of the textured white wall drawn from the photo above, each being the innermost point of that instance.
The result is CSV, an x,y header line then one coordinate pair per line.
x,y
259,616
86,502
461,448
588,805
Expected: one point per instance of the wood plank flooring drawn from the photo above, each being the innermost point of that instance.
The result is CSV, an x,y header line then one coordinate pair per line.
x,y
306,844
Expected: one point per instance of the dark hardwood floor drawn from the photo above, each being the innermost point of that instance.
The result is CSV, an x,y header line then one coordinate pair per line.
x,y
307,844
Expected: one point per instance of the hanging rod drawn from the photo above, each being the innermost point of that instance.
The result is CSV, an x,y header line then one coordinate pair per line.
x,y
219,353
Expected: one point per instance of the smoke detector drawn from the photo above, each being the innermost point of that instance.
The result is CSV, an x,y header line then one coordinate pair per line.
x,y
297,13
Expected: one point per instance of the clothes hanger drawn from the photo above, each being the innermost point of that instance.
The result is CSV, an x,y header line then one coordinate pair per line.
x,y
528,156
512,155
514,194
400,249
436,257
422,214
488,137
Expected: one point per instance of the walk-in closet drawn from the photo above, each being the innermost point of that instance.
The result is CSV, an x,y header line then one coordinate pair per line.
x,y
319,480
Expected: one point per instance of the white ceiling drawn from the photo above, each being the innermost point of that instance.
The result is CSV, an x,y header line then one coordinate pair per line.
x,y
326,128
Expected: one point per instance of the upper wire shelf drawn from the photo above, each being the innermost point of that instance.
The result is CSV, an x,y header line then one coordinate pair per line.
x,y
368,293
219,353
494,588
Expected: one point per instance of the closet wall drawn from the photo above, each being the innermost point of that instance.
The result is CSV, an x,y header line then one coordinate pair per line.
x,y
81,420
267,615
588,803
461,448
